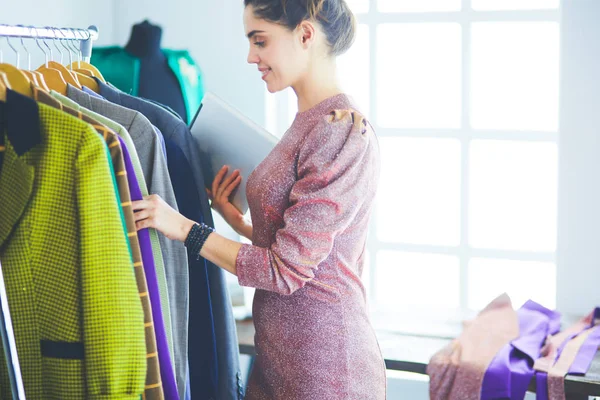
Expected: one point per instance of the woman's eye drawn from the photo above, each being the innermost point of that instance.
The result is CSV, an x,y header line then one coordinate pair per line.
x,y
260,44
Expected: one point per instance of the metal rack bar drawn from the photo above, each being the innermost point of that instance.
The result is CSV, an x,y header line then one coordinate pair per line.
x,y
84,36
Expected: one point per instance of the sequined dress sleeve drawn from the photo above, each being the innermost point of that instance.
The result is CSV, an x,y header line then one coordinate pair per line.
x,y
332,172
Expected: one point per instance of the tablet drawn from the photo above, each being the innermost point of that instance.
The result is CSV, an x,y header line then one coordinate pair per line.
x,y
225,136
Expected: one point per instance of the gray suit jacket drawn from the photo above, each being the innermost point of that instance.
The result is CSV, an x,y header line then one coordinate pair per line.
x,y
230,386
154,166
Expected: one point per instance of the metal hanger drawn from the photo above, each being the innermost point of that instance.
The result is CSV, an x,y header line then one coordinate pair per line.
x,y
54,78
83,80
19,82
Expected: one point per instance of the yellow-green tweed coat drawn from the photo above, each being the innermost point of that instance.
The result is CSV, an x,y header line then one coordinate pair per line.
x,y
72,293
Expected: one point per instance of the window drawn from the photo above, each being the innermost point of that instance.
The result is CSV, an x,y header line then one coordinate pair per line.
x,y
463,95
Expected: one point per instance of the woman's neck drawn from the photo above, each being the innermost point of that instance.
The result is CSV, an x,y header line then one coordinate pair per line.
x,y
320,83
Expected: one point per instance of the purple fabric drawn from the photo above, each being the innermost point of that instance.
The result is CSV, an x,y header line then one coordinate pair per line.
x,y
91,92
586,353
582,361
164,357
511,371
541,386
588,350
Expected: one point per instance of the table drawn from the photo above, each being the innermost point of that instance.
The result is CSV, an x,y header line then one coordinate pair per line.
x,y
410,353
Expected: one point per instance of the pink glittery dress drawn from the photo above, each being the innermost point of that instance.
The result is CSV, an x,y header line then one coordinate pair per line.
x,y
310,202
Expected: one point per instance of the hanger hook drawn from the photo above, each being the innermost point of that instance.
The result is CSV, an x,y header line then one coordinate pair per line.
x,y
77,50
15,50
26,51
32,28
54,42
62,43
49,49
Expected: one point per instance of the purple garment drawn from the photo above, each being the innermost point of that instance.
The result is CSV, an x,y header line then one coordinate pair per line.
x,y
509,374
91,92
164,357
582,361
587,351
541,385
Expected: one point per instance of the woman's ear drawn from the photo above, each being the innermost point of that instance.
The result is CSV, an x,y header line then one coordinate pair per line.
x,y
307,33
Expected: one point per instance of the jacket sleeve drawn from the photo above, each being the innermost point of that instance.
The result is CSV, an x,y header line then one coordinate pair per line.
x,y
113,323
335,167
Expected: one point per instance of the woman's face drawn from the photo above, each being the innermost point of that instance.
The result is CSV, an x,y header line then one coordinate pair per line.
x,y
278,52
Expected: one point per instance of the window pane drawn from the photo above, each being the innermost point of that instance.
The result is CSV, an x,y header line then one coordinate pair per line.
x,y
418,5
418,200
358,6
515,75
513,195
484,5
412,280
419,75
353,68
521,280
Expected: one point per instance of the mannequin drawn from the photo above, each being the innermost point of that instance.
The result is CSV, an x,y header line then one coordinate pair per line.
x,y
157,80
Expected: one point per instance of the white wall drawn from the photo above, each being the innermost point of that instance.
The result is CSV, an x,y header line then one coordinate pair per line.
x,y
55,13
213,34
579,163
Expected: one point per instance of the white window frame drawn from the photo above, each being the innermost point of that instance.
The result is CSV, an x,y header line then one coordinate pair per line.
x,y
572,264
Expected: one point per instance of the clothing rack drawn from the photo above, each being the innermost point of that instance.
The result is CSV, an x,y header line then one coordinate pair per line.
x,y
84,36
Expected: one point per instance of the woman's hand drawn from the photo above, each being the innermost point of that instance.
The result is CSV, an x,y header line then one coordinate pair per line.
x,y
219,197
153,212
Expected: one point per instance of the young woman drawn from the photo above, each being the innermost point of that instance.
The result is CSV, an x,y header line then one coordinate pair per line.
x,y
310,202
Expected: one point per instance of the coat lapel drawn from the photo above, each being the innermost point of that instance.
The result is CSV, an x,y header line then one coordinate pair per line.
x,y
19,119
16,185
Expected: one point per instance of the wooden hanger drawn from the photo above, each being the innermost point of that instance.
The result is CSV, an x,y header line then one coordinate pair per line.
x,y
41,81
31,76
88,82
19,82
66,74
4,86
89,67
84,71
54,79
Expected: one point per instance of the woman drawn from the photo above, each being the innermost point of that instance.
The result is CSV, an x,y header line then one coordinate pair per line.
x,y
310,202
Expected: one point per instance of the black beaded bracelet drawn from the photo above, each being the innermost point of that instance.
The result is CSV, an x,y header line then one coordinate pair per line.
x,y
197,237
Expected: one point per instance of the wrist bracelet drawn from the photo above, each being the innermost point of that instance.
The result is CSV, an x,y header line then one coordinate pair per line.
x,y
197,237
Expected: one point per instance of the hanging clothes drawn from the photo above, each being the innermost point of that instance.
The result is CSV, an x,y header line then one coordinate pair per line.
x,y
154,166
154,388
230,384
202,345
78,295
139,175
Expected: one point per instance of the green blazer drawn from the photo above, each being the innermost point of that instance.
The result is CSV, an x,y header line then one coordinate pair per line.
x,y
76,311
123,71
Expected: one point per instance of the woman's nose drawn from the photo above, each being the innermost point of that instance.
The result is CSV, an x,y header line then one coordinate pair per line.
x,y
253,57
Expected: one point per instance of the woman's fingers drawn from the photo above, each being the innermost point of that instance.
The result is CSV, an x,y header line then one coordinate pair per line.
x,y
232,186
146,223
139,205
225,184
219,178
140,215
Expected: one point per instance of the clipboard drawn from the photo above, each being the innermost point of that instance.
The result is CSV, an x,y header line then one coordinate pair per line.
x,y
225,136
